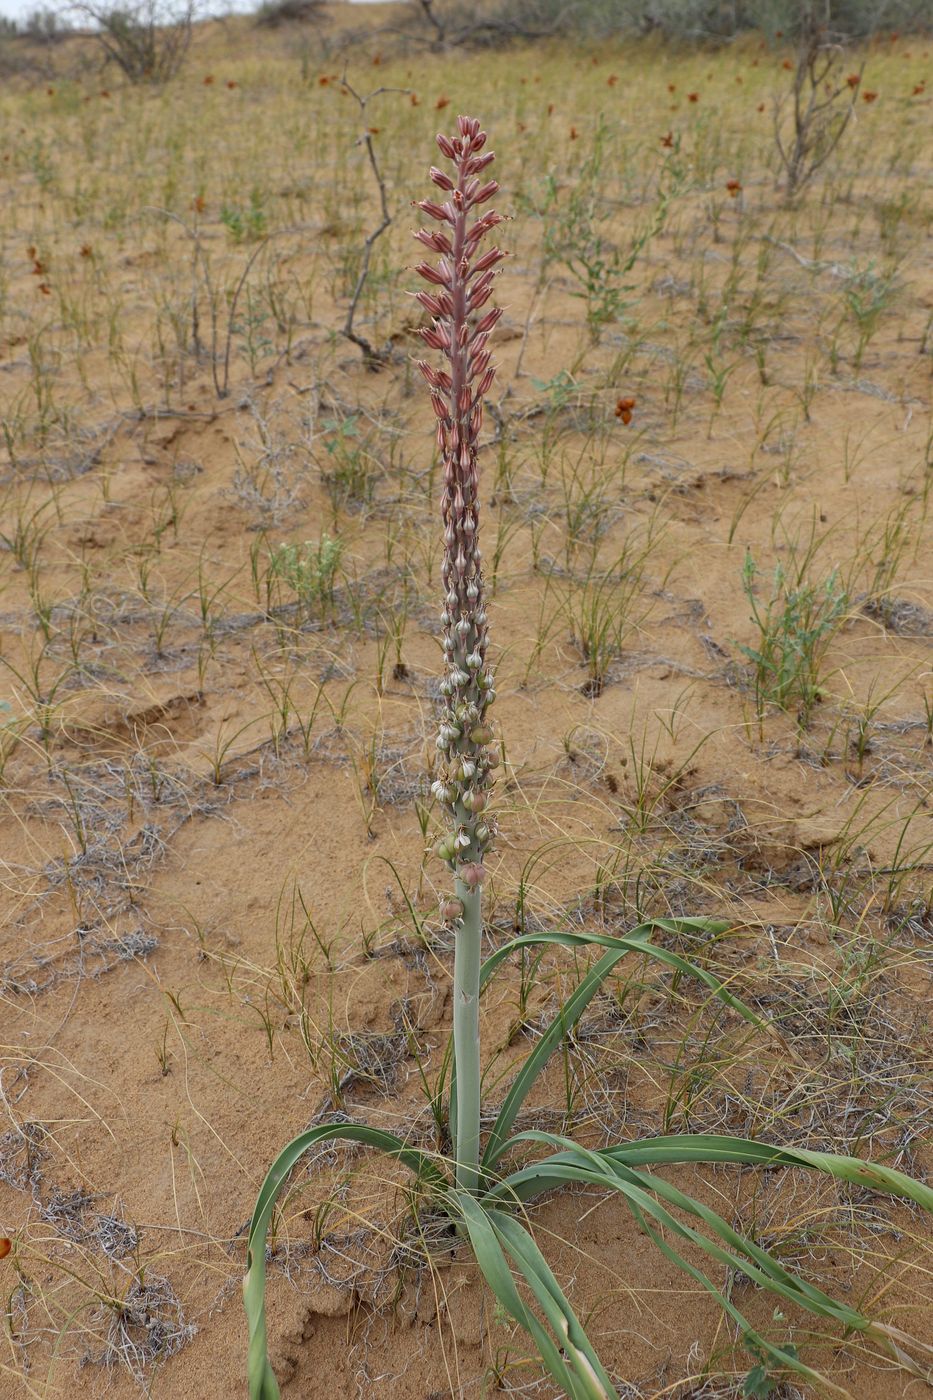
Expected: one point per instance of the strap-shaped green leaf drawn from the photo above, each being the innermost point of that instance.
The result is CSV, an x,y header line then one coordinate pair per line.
x,y
495,1269
578,1350
638,941
260,1376
641,1191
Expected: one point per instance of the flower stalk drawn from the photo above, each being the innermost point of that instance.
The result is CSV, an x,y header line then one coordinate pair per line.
x,y
461,283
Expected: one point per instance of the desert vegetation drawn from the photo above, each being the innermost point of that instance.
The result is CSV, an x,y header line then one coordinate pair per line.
x,y
706,861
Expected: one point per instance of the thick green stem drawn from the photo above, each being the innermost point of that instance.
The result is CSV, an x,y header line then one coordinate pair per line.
x,y
467,959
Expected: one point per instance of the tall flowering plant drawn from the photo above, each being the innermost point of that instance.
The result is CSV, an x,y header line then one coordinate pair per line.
x,y
461,283
479,1191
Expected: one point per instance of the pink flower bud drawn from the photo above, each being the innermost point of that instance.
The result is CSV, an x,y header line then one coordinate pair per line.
x,y
451,910
434,211
488,322
441,178
429,303
489,259
486,192
431,274
472,875
446,146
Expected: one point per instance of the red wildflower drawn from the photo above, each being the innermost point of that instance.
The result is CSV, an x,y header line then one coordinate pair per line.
x,y
668,139
624,409
734,187
869,96
441,103
854,79
693,97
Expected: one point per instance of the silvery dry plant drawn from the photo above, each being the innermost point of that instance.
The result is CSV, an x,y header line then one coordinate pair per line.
x,y
484,1191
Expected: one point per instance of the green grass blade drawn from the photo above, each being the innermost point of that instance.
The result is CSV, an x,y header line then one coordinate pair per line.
x,y
638,941
260,1376
495,1269
534,1268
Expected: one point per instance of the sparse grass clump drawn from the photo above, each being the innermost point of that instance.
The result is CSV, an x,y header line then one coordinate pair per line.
x,y
795,626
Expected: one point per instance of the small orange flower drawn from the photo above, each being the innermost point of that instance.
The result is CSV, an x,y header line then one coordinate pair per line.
x,y
45,289
414,99
611,80
374,130
787,64
104,92
208,79
869,96
521,126
667,139
323,81
550,109
672,87
574,133
441,103
624,409
693,97
231,84
377,59
918,90
50,91
5,1247
734,187
199,204
854,79
761,107
86,250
